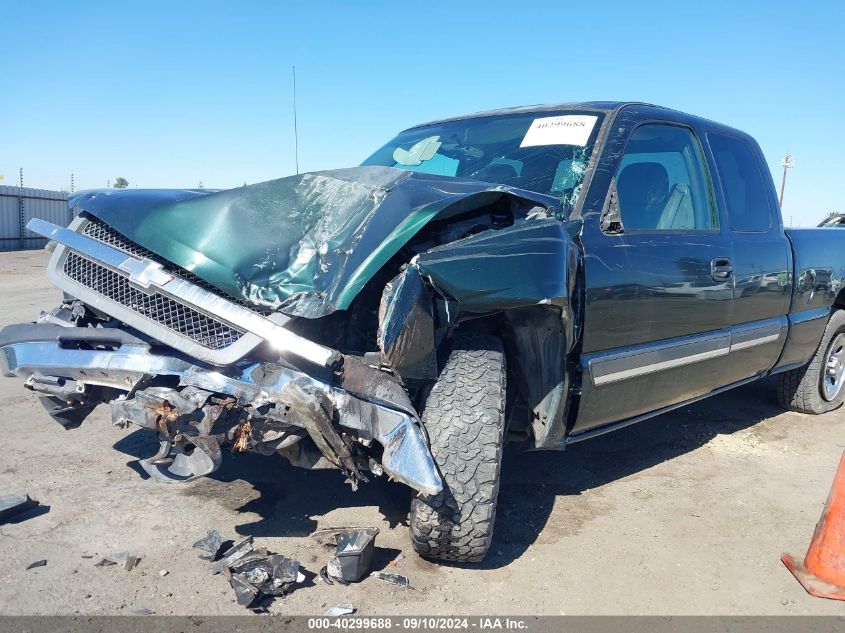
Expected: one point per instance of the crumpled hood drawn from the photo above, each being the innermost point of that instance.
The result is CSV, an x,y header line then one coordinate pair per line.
x,y
304,245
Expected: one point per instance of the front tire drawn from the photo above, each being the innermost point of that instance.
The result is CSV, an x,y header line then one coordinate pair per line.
x,y
464,417
818,386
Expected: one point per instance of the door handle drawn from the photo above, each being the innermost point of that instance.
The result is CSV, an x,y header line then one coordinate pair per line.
x,y
721,269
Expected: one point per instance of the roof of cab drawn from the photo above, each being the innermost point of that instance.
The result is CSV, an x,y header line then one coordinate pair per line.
x,y
595,106
600,106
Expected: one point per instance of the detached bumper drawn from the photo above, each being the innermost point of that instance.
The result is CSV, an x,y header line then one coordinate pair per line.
x,y
72,363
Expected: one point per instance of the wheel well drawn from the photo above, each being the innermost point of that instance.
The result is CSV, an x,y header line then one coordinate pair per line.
x,y
840,300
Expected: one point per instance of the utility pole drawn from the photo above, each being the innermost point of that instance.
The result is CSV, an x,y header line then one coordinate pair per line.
x,y
788,163
295,131
71,182
22,211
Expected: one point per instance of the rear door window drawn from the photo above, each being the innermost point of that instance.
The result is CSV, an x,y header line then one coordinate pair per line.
x,y
742,183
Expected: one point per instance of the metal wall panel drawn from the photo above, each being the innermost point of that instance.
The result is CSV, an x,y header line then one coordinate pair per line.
x,y
37,203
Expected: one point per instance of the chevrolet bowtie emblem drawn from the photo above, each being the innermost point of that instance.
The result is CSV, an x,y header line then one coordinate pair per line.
x,y
145,272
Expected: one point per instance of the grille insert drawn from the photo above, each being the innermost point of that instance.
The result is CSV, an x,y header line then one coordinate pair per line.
x,y
97,230
171,314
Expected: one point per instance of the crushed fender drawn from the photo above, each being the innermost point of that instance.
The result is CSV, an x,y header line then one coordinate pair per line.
x,y
331,230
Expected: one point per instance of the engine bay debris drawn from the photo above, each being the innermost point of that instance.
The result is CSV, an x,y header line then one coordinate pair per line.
x,y
254,573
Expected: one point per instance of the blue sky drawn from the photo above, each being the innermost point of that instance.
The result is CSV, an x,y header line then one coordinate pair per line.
x,y
173,93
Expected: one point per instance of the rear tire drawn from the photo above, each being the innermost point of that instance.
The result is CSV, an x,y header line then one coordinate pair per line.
x,y
464,417
818,387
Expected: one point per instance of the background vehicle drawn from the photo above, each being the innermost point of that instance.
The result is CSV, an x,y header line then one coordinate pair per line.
x,y
546,274
834,220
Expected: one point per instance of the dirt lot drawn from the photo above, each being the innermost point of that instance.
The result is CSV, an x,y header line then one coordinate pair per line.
x,y
685,514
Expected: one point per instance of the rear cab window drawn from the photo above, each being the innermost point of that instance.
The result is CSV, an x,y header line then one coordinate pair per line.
x,y
742,182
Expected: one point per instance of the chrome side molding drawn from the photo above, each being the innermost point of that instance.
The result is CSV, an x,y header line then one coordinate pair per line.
x,y
605,368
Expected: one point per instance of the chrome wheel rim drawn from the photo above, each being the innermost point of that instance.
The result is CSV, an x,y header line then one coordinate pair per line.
x,y
834,368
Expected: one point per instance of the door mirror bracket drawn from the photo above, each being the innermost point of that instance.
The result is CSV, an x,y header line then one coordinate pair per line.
x,y
611,217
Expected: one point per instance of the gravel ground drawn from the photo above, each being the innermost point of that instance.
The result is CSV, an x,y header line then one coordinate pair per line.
x,y
687,513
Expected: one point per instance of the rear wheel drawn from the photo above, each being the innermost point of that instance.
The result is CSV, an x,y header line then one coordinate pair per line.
x,y
818,386
464,417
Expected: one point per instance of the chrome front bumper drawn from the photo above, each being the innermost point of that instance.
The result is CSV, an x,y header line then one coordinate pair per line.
x,y
366,404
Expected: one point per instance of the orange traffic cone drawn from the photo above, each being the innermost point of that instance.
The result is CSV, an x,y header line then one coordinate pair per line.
x,y
823,571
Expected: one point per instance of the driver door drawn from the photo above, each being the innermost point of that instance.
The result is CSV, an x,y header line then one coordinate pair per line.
x,y
659,293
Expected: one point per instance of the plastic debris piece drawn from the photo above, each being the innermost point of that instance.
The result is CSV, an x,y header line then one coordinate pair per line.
x,y
272,575
245,593
209,545
394,579
354,553
124,559
14,504
231,555
38,563
163,572
327,537
142,611
254,574
332,573
284,574
324,576
343,609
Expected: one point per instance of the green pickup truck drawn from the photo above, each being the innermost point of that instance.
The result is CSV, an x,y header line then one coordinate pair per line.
x,y
541,275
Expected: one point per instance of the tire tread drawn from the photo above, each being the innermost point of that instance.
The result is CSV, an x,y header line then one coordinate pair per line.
x,y
465,420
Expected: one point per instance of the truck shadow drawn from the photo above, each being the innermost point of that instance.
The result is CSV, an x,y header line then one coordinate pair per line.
x,y
532,481
286,498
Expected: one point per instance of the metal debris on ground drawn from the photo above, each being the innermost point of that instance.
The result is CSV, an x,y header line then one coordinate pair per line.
x,y
209,545
256,574
124,559
38,563
394,579
344,609
353,555
238,550
15,503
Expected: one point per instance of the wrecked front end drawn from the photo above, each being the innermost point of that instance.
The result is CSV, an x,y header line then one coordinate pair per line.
x,y
316,343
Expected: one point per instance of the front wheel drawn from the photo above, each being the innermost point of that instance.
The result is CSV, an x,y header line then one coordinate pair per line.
x,y
464,417
818,386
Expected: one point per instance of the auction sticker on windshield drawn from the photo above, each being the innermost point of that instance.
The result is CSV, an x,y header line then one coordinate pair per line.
x,y
568,129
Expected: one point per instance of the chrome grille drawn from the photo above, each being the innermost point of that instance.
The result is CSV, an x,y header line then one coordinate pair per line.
x,y
203,329
108,236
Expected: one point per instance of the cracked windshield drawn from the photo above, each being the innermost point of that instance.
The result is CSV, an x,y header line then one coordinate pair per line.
x,y
543,152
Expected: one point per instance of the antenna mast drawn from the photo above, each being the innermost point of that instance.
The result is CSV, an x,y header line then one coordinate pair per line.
x,y
295,130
